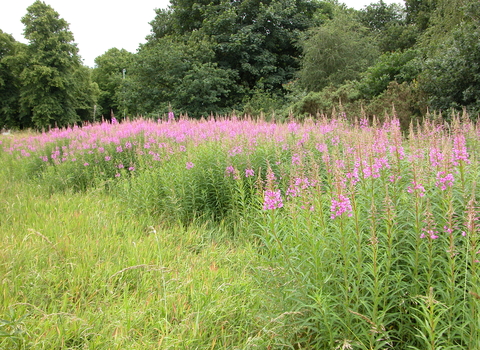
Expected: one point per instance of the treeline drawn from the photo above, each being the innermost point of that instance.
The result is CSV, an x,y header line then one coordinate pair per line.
x,y
278,57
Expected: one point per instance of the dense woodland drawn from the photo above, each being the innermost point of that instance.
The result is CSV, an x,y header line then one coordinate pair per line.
x,y
276,57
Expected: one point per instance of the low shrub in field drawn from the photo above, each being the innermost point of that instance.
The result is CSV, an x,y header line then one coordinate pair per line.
x,y
374,232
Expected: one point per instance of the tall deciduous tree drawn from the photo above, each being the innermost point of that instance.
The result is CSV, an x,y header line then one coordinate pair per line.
x,y
419,12
111,69
52,92
257,39
9,84
389,25
181,75
336,52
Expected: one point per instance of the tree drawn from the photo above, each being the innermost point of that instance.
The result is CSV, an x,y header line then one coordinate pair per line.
x,y
9,84
170,73
51,93
419,12
336,52
451,77
378,16
389,26
256,39
109,73
391,66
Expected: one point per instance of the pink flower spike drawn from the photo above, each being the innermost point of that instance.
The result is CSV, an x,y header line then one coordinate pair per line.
x,y
249,172
189,165
272,200
341,205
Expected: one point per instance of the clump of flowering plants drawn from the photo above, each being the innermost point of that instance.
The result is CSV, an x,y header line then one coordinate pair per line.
x,y
375,230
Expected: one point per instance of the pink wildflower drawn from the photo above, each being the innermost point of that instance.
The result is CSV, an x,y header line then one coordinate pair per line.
x,y
460,152
432,234
230,170
249,172
416,187
189,165
272,200
321,147
341,205
444,180
296,159
292,191
436,157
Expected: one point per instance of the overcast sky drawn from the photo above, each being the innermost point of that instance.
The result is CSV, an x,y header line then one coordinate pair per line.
x,y
99,25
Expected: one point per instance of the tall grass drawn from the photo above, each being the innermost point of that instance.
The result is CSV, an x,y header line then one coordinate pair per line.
x,y
349,234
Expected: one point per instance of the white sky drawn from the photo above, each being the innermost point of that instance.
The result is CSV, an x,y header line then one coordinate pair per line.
x,y
99,25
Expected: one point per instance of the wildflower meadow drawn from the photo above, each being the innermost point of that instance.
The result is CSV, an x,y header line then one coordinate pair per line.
x,y
241,233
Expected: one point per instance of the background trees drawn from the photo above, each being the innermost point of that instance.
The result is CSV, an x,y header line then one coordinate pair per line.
x,y
43,84
336,52
250,56
54,90
9,84
253,43
169,73
111,69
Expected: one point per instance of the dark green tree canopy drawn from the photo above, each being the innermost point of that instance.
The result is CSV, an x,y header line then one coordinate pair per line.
x,y
9,84
110,70
378,16
172,73
53,89
336,52
257,39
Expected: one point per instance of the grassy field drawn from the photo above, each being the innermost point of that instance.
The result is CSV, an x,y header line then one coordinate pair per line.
x,y
241,234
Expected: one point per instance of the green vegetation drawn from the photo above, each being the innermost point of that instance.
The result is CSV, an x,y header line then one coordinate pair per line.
x,y
272,57
348,220
235,233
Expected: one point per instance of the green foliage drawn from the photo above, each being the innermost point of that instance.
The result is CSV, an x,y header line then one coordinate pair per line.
x,y
389,25
253,41
396,66
419,12
398,37
261,102
406,100
9,83
53,90
378,16
180,75
451,77
336,52
342,98
108,74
